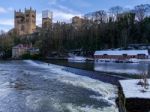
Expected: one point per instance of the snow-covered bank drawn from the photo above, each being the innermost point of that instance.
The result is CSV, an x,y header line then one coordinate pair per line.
x,y
105,91
131,89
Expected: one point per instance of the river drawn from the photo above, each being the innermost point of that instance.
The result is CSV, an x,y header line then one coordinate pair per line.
x,y
34,86
119,68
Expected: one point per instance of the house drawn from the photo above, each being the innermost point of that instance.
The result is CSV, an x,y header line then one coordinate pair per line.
x,y
121,54
19,50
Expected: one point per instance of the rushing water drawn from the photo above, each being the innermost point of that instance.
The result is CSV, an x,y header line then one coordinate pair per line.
x,y
127,68
31,86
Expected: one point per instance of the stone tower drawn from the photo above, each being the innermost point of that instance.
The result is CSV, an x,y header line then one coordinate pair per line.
x,y
25,22
47,18
77,22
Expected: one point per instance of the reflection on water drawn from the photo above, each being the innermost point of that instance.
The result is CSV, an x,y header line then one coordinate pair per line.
x,y
80,65
128,68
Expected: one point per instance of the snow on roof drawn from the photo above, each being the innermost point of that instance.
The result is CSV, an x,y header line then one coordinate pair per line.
x,y
22,46
121,52
132,90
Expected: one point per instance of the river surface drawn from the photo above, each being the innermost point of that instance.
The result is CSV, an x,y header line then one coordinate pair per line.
x,y
121,68
33,86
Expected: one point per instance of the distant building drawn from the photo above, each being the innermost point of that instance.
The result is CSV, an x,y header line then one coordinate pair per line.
x,y
47,18
1,54
19,50
25,22
77,22
33,51
121,54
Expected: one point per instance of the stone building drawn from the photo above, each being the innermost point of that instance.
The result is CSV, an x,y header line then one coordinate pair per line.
x,y
47,18
120,55
19,50
25,22
77,22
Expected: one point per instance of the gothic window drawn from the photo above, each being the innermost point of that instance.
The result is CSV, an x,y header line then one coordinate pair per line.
x,y
33,21
22,28
27,20
125,55
18,21
27,15
33,16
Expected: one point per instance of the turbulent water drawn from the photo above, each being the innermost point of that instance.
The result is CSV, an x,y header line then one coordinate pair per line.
x,y
29,86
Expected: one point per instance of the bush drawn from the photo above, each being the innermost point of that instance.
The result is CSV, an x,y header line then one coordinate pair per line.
x,y
33,57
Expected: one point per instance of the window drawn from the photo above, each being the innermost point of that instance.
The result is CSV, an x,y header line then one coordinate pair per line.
x,y
125,55
27,20
27,15
105,54
22,28
141,56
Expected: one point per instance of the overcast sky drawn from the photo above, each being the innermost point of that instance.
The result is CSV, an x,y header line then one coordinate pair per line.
x,y
63,10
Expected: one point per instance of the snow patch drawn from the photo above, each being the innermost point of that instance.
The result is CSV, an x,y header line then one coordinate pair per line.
x,y
131,89
73,108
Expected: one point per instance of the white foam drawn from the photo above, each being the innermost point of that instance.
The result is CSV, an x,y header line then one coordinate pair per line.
x,y
73,108
107,91
4,90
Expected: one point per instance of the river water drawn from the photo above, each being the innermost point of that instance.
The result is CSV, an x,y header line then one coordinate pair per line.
x,y
33,86
121,68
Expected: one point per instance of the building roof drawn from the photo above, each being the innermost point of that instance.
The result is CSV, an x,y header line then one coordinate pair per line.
x,y
121,52
22,46
131,89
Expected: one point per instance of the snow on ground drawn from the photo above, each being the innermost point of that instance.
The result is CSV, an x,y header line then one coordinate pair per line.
x,y
108,91
132,90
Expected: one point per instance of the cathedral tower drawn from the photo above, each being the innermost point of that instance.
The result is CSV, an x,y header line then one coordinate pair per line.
x,y
25,22
47,17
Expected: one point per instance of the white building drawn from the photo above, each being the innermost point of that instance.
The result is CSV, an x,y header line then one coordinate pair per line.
x,y
120,55
19,50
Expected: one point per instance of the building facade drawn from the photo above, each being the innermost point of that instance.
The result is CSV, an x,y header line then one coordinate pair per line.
x,y
121,54
25,22
47,19
19,50
77,22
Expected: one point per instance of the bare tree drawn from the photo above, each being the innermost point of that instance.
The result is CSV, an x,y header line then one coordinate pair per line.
x,y
116,10
100,16
142,11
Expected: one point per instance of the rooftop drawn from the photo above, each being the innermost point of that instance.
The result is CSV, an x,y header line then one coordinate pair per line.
x,y
121,52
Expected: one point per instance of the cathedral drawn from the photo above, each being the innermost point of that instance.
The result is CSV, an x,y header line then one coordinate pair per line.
x,y
25,22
